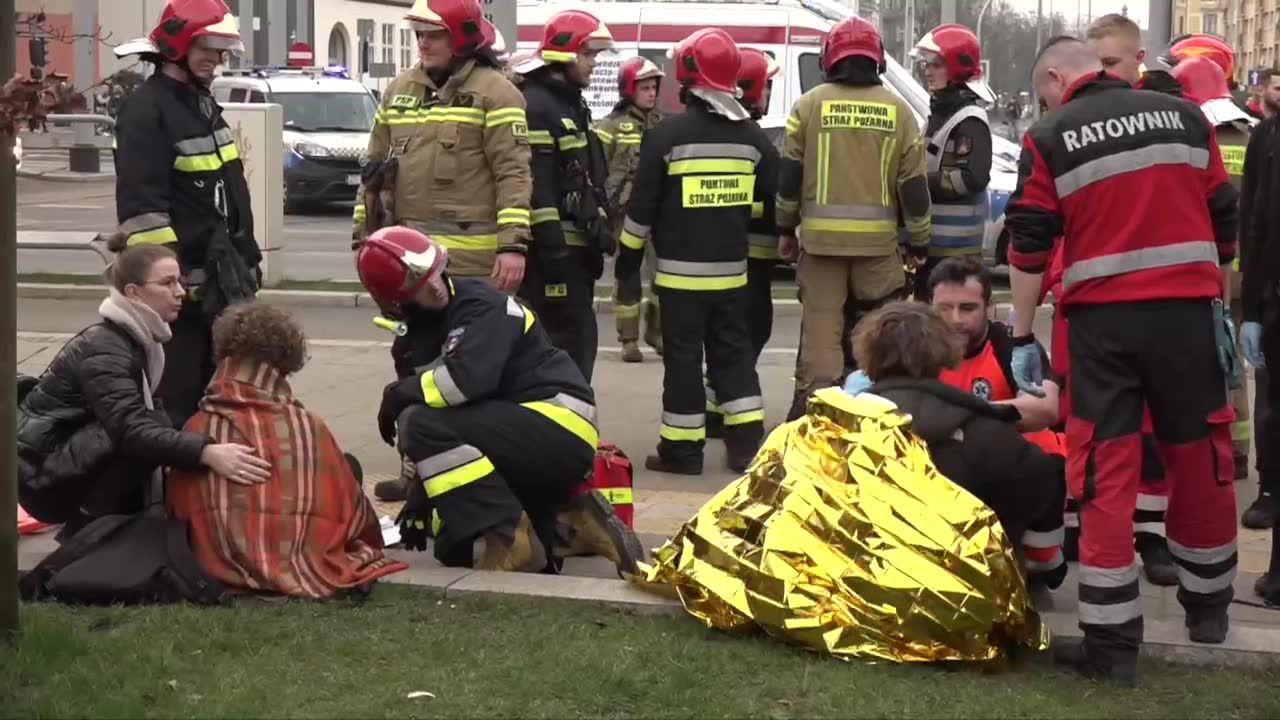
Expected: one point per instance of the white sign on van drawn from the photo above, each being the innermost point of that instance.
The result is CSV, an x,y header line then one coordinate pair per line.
x,y
603,93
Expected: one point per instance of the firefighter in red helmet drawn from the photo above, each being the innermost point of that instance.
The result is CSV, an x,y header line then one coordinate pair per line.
x,y
180,182
499,425
699,174
620,133
849,222
571,233
957,145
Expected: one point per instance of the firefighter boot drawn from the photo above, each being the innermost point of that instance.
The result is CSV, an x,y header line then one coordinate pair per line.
x,y
1074,655
656,463
592,528
631,352
741,445
397,490
715,426
518,550
1157,563
1261,514
652,327
1207,625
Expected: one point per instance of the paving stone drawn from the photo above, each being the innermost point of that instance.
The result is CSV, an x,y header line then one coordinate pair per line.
x,y
615,593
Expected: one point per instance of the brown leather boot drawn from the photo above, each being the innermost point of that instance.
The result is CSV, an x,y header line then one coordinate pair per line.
x,y
631,352
519,552
592,528
397,490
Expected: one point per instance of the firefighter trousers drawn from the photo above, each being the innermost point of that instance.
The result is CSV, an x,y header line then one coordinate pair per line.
x,y
717,321
189,364
759,302
566,309
629,302
480,465
1164,354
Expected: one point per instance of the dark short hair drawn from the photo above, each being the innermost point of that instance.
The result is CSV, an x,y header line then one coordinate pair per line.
x,y
958,270
904,340
1113,24
260,332
133,264
1265,76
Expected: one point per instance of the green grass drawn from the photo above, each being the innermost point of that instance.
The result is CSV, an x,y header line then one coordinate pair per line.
x,y
496,657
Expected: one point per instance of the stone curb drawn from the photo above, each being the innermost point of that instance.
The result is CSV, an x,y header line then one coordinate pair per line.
x,y
66,176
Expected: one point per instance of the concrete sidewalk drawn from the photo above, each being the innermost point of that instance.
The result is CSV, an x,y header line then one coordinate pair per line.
x,y
343,383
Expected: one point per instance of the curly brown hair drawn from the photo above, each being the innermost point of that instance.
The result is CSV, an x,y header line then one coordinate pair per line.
x,y
261,332
904,339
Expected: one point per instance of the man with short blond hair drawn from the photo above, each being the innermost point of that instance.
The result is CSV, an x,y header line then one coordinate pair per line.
x,y
1117,41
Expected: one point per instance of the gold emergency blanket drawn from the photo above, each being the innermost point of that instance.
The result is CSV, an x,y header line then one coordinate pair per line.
x,y
844,538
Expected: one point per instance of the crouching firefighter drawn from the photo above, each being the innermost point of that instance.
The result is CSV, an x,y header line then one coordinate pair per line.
x,y
180,182
499,424
571,233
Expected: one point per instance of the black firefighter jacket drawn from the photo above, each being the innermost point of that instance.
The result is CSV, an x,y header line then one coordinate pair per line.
x,y
85,413
179,177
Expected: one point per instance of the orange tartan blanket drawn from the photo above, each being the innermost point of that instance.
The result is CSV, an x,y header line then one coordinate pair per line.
x,y
309,531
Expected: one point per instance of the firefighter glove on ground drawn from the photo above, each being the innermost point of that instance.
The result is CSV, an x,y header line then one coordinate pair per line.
x,y
1027,370
1251,343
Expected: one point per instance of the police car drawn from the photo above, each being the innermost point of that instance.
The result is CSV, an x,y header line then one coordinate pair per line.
x,y
327,117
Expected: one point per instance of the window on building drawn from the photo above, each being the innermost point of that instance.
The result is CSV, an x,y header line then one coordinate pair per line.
x,y
1210,23
407,44
1182,25
388,43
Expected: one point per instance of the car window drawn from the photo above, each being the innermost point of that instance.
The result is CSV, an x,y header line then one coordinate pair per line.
x,y
810,72
238,95
221,93
257,97
332,112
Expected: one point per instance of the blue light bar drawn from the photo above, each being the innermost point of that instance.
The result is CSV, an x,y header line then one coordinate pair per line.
x,y
339,71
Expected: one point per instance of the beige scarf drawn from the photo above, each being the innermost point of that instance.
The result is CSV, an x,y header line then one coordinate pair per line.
x,y
144,325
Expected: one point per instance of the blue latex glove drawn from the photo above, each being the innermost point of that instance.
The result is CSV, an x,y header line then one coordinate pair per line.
x,y
1027,371
1251,343
856,383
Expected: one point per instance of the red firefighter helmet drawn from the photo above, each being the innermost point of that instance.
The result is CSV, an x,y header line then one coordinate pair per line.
x,y
632,71
184,23
395,262
1201,79
851,37
758,68
1206,46
958,48
708,59
567,33
462,19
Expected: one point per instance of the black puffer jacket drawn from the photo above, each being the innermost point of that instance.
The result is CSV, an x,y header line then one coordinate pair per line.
x,y
85,423
977,446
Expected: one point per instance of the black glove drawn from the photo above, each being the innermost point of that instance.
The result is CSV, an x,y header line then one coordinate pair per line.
x,y
414,531
395,398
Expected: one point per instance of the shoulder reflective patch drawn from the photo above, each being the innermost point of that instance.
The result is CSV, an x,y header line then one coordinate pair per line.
x,y
855,115
556,291
404,102
569,124
1233,158
718,190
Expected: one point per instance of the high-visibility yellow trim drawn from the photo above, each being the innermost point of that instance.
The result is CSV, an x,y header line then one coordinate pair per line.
x,y
604,135
555,290
617,496
542,215
567,419
629,139
848,225
711,165
793,124
154,236
679,434
757,210
431,393
824,158
1233,158
713,408
631,241
540,137
435,522
575,238
505,116
358,212
557,56
686,282
513,216
743,418
457,477
467,242
918,225
759,252
1240,431
207,162
886,162
859,115
572,142
626,312
700,191
528,318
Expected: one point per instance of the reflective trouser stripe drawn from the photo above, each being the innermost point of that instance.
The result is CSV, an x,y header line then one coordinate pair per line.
x,y
1184,253
624,312
452,469
688,275
683,426
681,282
743,410
1205,570
576,416
1109,596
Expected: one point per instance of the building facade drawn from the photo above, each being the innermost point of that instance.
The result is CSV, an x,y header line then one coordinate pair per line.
x,y
1253,28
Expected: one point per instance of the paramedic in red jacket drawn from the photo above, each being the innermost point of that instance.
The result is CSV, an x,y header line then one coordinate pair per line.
x,y
1134,183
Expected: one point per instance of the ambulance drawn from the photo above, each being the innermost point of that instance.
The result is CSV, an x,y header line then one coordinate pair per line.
x,y
789,30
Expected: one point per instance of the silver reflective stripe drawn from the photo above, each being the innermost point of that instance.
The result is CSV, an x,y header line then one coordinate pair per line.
x,y
1183,253
447,460
701,269
680,420
741,405
959,210
1108,577
196,145
1117,614
452,228
635,228
223,135
1203,556
1196,584
1049,564
1150,528
448,388
514,309
768,241
581,408
145,221
850,212
1130,161
940,230
1053,538
933,161
714,150
1071,520
1153,502
957,181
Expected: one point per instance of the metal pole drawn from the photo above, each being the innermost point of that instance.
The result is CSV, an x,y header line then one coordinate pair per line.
x,y
1160,21
8,356
948,11
982,15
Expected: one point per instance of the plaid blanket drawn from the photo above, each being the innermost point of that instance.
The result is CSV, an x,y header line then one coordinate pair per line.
x,y
309,531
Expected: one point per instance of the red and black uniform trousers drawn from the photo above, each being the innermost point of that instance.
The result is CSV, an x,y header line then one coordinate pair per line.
x,y
1158,354
482,464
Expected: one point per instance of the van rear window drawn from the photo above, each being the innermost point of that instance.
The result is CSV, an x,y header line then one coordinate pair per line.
x,y
810,72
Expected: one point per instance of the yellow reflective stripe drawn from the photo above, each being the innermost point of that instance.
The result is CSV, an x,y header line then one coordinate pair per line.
x,y
631,241
793,124
918,225
1233,158
430,392
358,212
678,434
759,252
629,139
572,142
542,215
467,242
567,419
617,496
1240,431
435,522
886,162
743,418
557,56
154,236
604,135
513,216
824,162
1235,264
848,225
528,318
505,116
569,124
711,165
540,137
757,210
457,477
713,408
575,238
686,282
626,312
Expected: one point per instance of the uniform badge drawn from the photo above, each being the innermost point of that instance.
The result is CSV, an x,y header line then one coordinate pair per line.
x,y
454,337
404,102
627,126
981,389
558,290
964,145
520,130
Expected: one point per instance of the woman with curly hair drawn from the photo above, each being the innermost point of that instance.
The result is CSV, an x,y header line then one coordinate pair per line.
x,y
309,531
